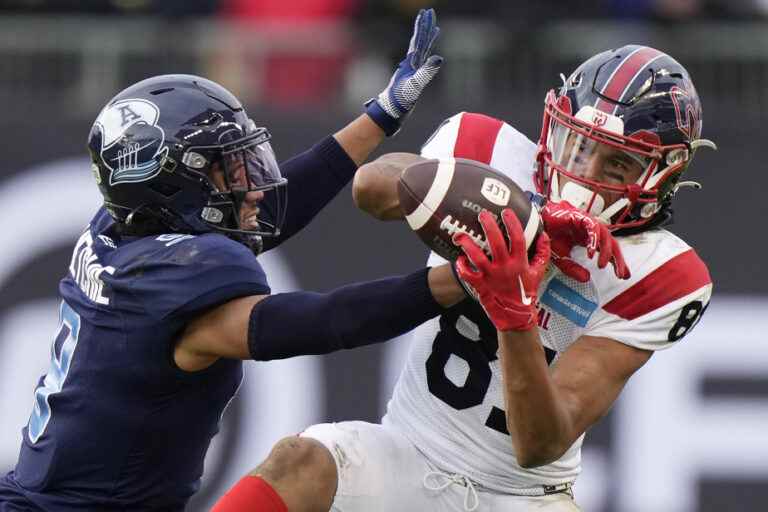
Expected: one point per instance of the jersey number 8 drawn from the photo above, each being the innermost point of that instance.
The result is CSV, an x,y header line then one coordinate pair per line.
x,y
62,350
689,317
477,352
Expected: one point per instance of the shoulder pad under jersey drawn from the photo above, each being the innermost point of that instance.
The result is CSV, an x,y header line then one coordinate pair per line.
x,y
488,140
178,274
666,296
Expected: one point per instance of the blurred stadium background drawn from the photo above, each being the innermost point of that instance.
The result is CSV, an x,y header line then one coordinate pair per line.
x,y
689,432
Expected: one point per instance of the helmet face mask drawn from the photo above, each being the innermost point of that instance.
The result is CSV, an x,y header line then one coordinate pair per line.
x,y
179,153
235,170
617,136
592,165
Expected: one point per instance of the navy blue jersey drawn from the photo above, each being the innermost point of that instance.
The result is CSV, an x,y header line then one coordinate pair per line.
x,y
116,425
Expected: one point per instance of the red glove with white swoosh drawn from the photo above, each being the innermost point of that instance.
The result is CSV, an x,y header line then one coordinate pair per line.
x,y
568,226
507,284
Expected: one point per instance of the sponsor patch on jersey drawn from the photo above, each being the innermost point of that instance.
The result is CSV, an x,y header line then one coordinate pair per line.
x,y
568,302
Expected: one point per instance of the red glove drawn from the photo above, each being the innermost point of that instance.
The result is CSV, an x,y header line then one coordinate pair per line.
x,y
569,226
507,285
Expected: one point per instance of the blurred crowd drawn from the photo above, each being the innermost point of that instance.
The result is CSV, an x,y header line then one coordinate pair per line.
x,y
309,53
657,10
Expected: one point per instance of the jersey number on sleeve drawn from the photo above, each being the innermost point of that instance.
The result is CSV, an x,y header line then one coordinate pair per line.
x,y
477,353
62,350
689,317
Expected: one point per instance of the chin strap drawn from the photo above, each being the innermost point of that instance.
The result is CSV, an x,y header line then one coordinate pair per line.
x,y
149,215
129,218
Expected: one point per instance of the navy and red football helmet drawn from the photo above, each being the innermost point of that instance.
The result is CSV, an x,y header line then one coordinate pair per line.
x,y
179,151
618,135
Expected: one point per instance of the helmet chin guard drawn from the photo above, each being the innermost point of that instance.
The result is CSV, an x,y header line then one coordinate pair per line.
x,y
581,197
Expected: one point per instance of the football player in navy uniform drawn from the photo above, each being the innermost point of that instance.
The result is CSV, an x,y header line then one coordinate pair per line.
x,y
164,297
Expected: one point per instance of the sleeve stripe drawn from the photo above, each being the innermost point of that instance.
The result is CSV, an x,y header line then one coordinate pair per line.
x,y
678,277
477,137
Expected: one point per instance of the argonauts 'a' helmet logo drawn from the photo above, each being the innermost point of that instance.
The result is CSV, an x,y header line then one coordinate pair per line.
x,y
131,142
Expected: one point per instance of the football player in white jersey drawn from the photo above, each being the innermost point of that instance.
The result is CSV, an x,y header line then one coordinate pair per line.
x,y
489,420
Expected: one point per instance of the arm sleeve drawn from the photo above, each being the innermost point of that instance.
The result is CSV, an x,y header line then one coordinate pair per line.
x,y
304,323
314,178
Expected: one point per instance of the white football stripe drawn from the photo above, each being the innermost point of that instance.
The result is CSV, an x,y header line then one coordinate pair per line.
x,y
435,196
531,226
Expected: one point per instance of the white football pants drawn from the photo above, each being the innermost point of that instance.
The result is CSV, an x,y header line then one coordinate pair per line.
x,y
380,470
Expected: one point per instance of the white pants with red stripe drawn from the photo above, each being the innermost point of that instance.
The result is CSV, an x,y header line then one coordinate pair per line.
x,y
380,470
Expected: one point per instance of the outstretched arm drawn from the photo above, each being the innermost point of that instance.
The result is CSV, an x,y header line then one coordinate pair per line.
x,y
317,175
265,327
359,138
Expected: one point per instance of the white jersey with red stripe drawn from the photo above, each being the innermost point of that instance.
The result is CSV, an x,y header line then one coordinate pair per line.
x,y
449,400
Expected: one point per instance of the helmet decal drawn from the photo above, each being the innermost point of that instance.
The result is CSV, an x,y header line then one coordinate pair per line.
x,y
131,142
618,84
687,112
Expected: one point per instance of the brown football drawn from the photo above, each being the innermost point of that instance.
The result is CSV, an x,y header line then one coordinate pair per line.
x,y
443,197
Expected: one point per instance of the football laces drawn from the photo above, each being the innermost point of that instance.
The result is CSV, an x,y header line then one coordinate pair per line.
x,y
454,226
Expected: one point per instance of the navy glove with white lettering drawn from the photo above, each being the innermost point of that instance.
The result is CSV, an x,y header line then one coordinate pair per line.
x,y
506,284
390,108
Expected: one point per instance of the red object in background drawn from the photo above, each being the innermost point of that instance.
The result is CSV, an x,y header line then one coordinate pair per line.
x,y
291,78
289,10
300,80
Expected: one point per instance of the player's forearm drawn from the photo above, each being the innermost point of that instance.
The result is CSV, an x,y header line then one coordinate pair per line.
x,y
374,188
359,138
537,420
306,323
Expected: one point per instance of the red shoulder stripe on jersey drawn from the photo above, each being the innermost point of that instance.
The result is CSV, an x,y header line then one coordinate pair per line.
x,y
681,275
623,76
476,138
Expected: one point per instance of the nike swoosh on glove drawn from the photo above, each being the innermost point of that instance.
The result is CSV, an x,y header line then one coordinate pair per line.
x,y
506,284
390,108
568,227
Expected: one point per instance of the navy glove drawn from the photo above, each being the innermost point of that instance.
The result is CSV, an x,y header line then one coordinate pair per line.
x,y
413,74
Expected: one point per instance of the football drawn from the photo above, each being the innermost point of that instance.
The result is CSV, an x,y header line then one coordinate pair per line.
x,y
442,197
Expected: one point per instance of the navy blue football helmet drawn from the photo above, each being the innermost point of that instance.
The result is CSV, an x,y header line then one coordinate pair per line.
x,y
180,152
617,136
